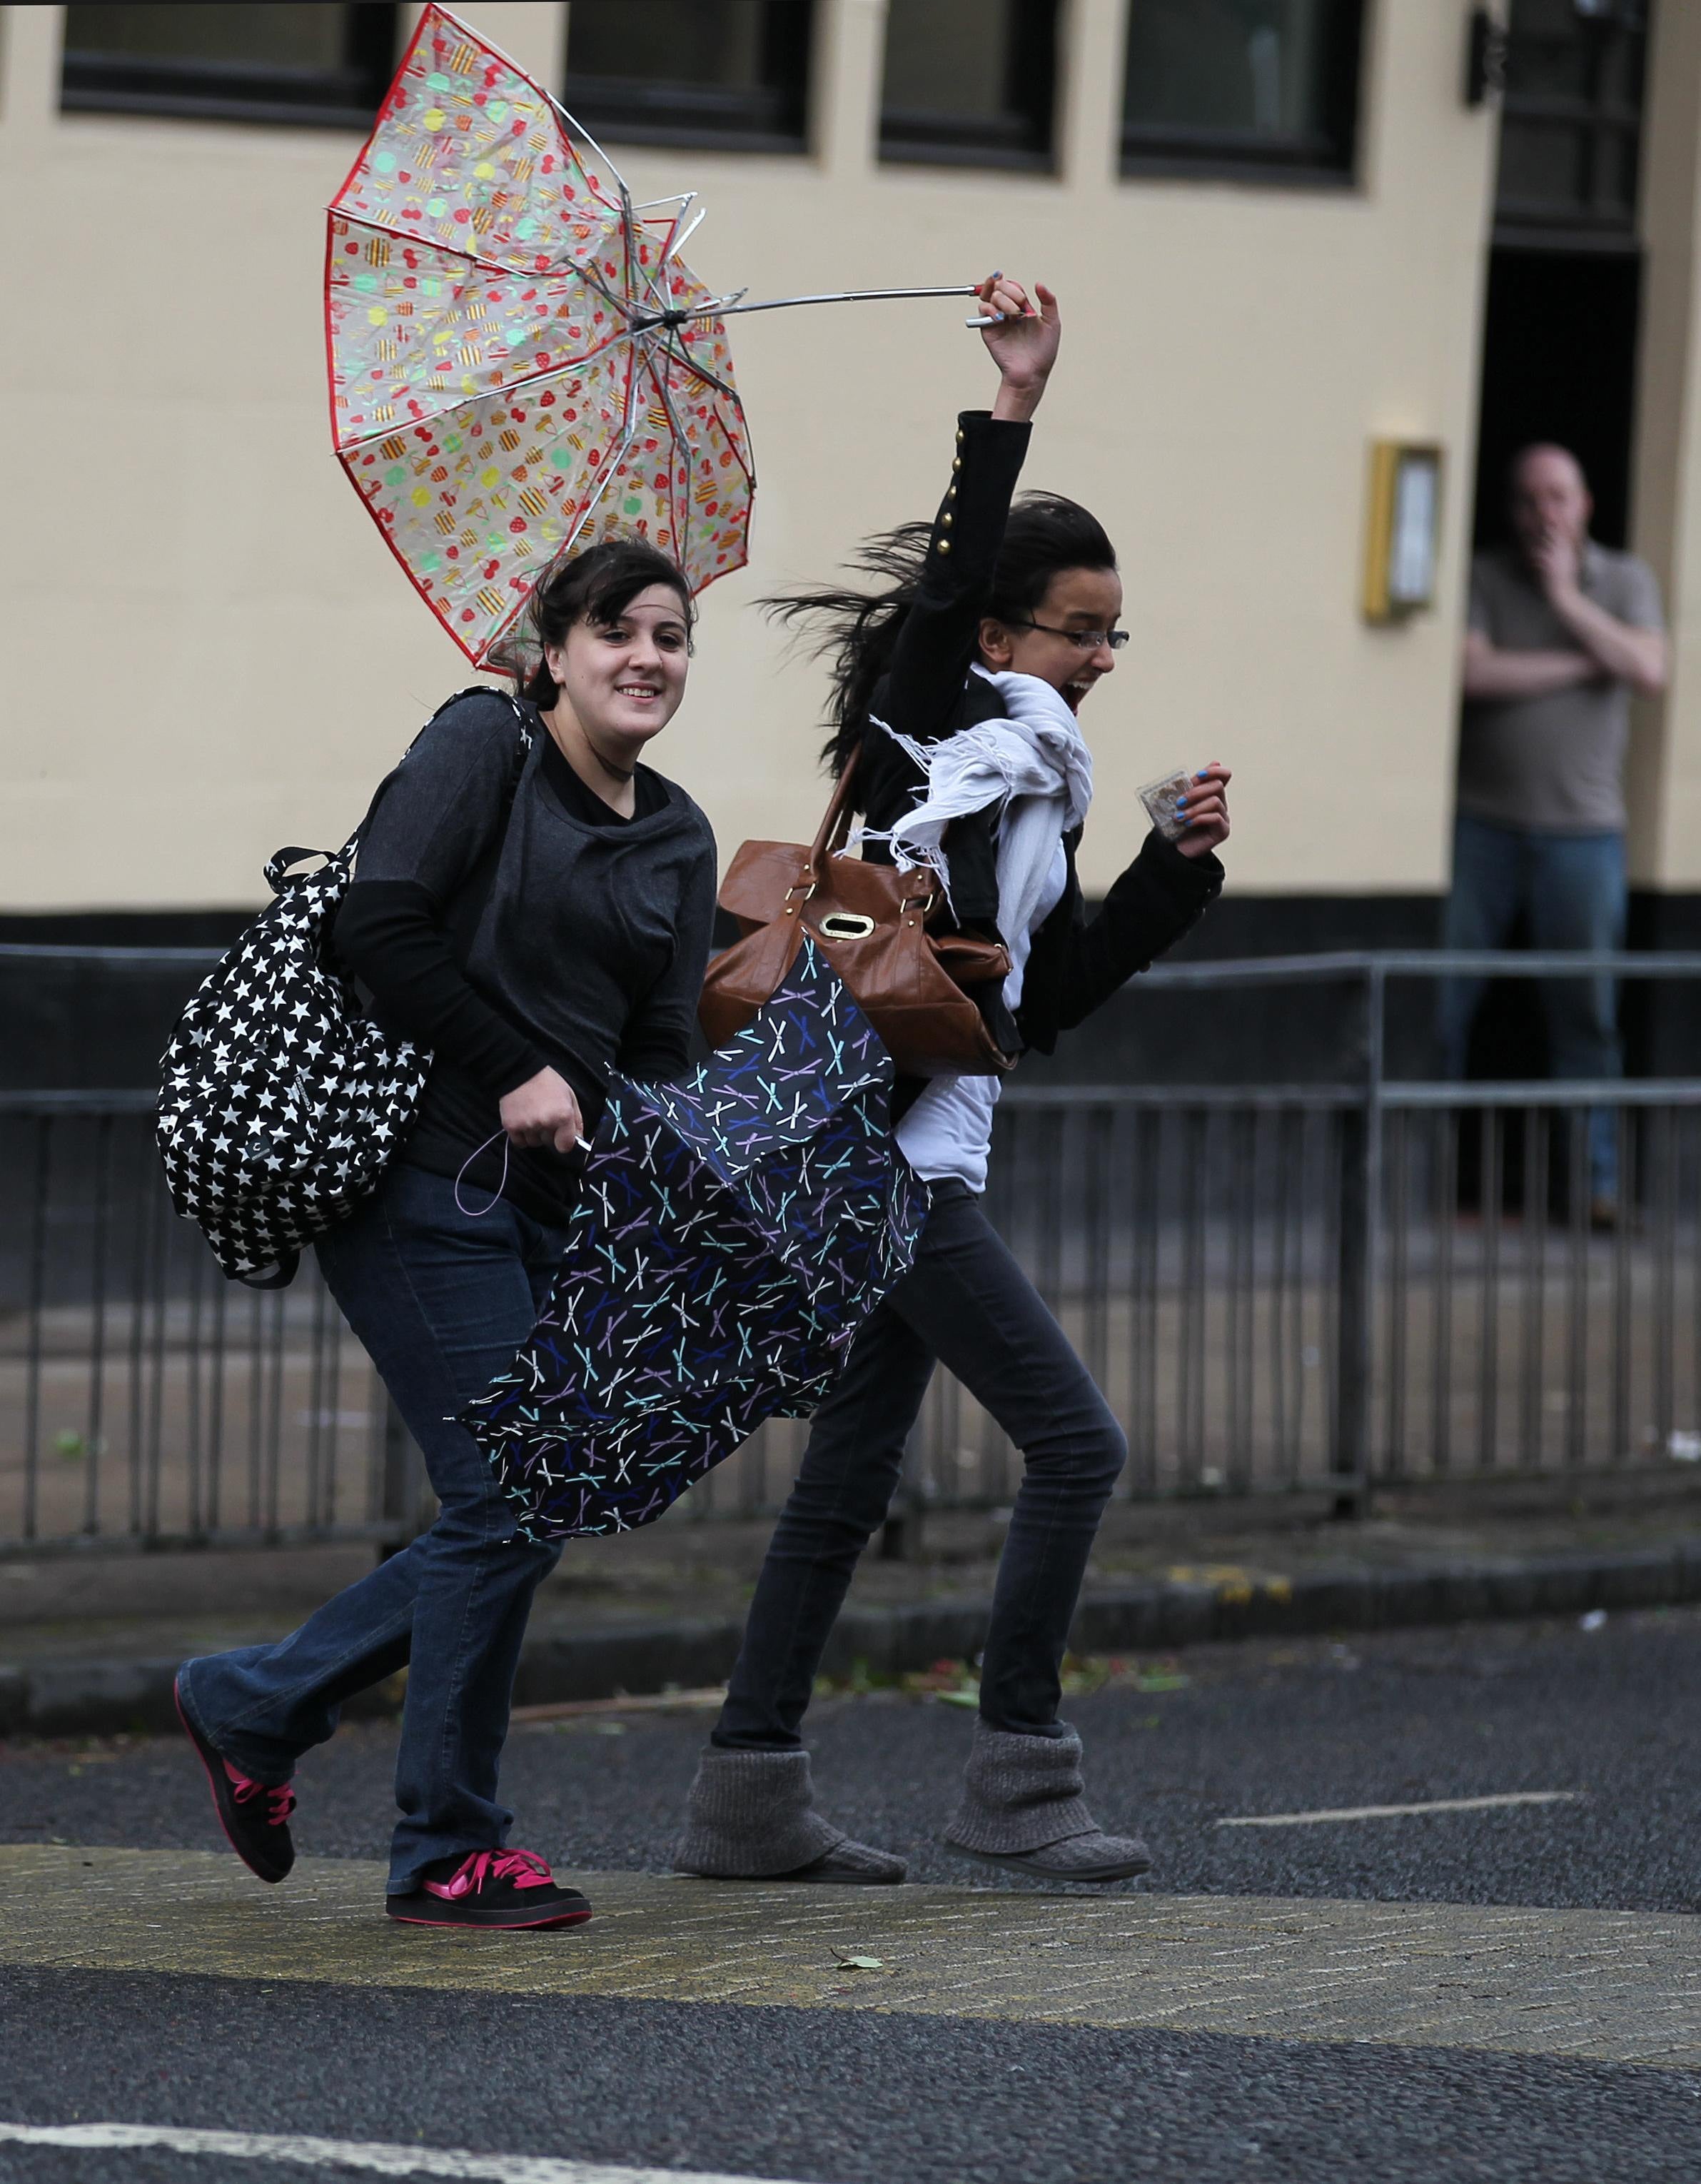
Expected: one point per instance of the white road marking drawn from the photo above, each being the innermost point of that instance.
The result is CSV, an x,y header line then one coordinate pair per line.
x,y
1402,1811
350,2153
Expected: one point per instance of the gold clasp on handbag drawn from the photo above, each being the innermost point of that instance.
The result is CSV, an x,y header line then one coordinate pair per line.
x,y
845,925
809,887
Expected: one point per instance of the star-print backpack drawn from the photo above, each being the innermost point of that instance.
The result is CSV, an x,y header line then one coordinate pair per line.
x,y
281,1101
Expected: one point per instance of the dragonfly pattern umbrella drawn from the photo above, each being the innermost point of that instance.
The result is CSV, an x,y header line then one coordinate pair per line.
x,y
735,1232
519,358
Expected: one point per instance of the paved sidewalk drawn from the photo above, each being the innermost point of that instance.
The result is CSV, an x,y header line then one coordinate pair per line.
x,y
1603,1986
87,1644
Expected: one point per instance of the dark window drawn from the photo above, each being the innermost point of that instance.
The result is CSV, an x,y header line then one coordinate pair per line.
x,y
326,65
1258,88
1571,123
734,73
969,82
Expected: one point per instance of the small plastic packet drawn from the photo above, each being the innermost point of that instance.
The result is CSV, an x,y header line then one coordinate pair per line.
x,y
1161,798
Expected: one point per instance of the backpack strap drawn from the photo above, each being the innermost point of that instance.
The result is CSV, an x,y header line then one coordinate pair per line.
x,y
522,752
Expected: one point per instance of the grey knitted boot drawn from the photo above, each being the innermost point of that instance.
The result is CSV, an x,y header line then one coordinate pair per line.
x,y
1023,1806
751,1816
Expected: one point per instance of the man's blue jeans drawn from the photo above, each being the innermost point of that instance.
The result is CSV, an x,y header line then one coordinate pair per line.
x,y
442,1300
1571,891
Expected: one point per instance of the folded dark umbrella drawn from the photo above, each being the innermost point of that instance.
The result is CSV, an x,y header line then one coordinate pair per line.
x,y
735,1230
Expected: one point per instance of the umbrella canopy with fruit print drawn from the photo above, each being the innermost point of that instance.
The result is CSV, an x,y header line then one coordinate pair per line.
x,y
519,358
514,363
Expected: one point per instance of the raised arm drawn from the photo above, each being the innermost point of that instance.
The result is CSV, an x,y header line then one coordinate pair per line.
x,y
936,646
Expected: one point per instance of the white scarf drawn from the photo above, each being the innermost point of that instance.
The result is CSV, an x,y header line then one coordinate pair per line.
x,y
1031,768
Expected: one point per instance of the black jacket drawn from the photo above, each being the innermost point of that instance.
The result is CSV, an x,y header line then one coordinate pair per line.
x,y
1076,962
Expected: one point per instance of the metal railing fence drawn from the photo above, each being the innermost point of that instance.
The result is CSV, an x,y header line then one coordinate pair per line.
x,y
1291,1287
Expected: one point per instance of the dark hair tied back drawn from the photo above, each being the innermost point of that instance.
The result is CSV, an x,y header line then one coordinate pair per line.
x,y
857,630
597,586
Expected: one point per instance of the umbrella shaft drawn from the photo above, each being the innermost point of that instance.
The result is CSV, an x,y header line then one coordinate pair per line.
x,y
849,296
725,311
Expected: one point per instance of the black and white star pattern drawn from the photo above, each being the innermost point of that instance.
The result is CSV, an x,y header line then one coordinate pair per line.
x,y
280,1102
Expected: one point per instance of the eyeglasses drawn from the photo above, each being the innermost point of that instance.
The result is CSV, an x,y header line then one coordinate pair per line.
x,y
1083,640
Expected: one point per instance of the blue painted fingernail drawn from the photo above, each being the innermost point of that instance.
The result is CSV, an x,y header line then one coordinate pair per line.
x,y
1180,803
1200,777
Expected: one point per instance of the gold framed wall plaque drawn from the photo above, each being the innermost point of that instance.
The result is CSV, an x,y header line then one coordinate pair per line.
x,y
1403,529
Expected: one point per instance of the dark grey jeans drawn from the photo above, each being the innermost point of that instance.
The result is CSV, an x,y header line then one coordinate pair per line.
x,y
966,1301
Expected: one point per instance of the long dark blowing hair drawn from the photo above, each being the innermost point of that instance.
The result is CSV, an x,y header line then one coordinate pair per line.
x,y
857,630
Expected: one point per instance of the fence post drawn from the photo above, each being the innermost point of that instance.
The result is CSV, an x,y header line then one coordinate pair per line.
x,y
1360,1204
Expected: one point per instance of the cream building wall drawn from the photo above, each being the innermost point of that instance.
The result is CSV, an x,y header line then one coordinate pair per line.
x,y
208,651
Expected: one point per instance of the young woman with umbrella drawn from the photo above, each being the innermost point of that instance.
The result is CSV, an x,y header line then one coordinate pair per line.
x,y
535,908
958,681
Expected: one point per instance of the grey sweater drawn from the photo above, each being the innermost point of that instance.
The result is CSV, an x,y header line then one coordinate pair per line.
x,y
503,947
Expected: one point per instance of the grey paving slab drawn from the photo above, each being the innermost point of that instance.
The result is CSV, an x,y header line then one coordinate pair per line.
x,y
1605,1986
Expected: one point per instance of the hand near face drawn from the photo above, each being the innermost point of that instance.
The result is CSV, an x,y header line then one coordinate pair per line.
x,y
1558,562
1207,811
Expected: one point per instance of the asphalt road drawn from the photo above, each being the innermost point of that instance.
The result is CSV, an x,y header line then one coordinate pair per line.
x,y
878,2099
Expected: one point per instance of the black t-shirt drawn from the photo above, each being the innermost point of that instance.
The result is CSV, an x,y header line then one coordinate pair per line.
x,y
508,937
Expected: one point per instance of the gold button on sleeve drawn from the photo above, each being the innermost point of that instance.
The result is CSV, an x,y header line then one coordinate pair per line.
x,y
943,546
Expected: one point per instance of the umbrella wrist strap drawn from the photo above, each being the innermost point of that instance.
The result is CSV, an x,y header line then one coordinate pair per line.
x,y
478,1212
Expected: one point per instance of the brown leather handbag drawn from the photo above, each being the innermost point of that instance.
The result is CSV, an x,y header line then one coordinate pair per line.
x,y
871,923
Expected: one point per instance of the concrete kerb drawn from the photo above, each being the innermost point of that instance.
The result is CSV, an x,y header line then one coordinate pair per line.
x,y
107,1697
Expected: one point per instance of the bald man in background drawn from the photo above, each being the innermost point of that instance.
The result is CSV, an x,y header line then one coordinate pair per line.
x,y
1562,631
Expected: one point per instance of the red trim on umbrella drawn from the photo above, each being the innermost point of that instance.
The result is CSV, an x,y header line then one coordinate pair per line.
x,y
718,436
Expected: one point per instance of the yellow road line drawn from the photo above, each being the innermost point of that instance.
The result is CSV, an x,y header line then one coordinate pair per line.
x,y
1616,1985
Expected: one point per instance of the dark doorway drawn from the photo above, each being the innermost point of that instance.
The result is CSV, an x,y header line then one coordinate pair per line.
x,y
1560,325
1565,274
1558,363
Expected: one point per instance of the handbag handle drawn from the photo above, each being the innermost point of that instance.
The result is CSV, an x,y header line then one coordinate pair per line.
x,y
834,831
278,874
831,835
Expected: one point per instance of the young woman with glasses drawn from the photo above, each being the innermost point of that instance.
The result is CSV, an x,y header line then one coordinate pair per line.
x,y
957,683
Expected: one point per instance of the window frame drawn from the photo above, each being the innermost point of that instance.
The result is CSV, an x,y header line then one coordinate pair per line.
x,y
1018,138
1597,120
1325,158
775,117
91,81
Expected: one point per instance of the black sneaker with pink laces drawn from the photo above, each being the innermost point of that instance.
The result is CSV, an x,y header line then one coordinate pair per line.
x,y
254,1815
500,1889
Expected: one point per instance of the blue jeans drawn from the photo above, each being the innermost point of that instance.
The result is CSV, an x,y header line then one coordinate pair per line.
x,y
442,1301
1571,891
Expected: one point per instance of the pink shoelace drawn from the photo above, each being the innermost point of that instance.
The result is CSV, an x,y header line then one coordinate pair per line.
x,y
481,1869
282,1797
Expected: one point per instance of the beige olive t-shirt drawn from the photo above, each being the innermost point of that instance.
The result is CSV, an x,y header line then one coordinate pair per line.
x,y
1555,761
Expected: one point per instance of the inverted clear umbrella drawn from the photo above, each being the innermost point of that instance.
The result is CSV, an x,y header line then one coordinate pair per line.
x,y
521,359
